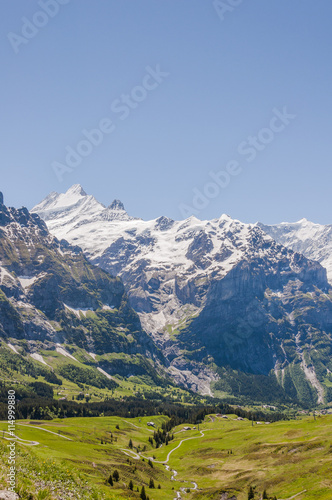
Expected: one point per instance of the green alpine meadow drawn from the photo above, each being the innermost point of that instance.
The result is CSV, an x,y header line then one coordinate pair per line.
x,y
114,458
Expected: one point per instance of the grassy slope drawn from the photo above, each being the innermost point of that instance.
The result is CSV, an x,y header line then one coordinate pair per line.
x,y
69,389
86,456
285,457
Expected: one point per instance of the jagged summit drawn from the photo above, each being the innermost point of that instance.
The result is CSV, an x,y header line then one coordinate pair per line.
x,y
74,209
114,212
1,198
76,189
116,205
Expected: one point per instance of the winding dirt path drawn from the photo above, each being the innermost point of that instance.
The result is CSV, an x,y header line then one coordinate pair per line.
x,y
134,455
46,430
180,443
297,494
15,438
137,427
137,456
176,448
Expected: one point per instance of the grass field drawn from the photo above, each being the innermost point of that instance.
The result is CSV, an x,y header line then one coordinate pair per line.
x,y
75,459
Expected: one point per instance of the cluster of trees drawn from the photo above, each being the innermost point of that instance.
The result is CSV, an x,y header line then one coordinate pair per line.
x,y
38,408
160,436
34,390
252,387
32,406
41,389
11,363
329,394
264,496
115,477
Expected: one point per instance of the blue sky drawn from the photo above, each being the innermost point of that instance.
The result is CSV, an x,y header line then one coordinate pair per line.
x,y
224,78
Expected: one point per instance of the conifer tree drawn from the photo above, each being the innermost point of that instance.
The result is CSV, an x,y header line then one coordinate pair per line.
x,y
143,494
251,493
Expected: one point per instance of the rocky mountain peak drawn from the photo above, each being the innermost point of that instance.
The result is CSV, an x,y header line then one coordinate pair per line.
x,y
116,205
1,198
114,212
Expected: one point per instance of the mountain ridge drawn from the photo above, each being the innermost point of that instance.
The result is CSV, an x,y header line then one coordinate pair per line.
x,y
185,278
52,300
311,239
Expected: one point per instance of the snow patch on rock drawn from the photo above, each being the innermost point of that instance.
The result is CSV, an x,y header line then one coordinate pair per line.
x,y
105,373
62,351
27,281
39,357
13,348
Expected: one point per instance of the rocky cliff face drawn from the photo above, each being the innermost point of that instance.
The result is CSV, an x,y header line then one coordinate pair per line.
x,y
51,295
268,317
312,240
213,295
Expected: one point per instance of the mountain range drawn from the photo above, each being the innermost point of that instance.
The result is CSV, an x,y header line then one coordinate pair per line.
x,y
223,308
64,315
233,307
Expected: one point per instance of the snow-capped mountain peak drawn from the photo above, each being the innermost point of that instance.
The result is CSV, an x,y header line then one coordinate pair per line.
x,y
74,209
76,189
165,259
63,211
309,238
55,201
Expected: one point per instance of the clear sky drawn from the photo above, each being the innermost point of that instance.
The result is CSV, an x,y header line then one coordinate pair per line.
x,y
179,89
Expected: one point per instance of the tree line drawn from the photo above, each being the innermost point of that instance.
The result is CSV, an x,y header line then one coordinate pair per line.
x,y
43,406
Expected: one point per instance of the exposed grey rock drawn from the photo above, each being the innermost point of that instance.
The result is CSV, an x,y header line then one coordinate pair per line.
x,y
8,495
116,205
225,496
164,223
312,240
